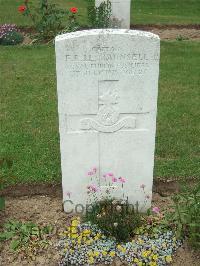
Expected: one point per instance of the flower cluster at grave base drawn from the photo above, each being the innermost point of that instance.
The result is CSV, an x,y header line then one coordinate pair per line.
x,y
86,244
10,35
106,211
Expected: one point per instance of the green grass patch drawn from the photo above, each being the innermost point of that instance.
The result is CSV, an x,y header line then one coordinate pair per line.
x,y
165,12
178,127
29,123
142,11
29,126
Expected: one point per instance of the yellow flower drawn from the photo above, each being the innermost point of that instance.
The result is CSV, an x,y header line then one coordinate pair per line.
x,y
74,230
119,247
71,251
96,253
75,222
146,253
91,260
155,257
86,232
90,253
122,249
112,253
104,253
153,263
140,241
136,260
74,235
88,242
168,258
97,236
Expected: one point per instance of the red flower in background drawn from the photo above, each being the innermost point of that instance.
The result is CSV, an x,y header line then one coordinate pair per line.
x,y
22,9
74,10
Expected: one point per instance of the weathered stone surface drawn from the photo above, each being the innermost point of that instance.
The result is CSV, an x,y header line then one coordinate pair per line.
x,y
107,82
120,13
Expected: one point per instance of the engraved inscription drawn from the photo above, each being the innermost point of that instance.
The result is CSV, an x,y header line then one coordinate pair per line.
x,y
107,119
91,124
108,99
102,59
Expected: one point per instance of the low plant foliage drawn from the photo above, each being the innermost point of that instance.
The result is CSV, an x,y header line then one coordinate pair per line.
x,y
10,35
186,215
115,218
47,18
26,237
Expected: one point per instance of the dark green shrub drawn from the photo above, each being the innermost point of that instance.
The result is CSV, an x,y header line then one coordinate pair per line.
x,y
12,38
110,215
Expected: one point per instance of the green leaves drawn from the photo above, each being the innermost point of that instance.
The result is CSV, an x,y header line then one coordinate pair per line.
x,y
6,235
2,203
26,235
109,215
15,244
46,18
186,216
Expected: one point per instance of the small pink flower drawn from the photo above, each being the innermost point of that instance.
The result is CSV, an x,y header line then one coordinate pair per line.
x,y
114,179
92,188
110,174
149,220
95,170
122,179
90,173
156,210
142,186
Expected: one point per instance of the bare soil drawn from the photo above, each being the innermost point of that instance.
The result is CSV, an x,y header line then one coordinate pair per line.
x,y
163,186
172,32
177,34
165,32
48,209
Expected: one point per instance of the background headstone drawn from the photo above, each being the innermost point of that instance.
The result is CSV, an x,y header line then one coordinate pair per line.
x,y
107,82
120,13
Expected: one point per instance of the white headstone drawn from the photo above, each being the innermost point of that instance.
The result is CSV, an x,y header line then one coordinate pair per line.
x,y
120,17
107,82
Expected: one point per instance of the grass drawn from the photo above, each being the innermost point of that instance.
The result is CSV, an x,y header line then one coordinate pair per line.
x,y
29,127
29,123
165,12
142,11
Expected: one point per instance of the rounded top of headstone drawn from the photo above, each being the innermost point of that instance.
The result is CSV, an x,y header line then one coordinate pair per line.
x,y
93,32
